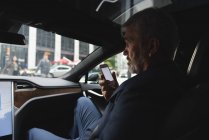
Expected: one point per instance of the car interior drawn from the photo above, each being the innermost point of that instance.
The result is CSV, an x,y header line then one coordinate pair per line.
x,y
48,103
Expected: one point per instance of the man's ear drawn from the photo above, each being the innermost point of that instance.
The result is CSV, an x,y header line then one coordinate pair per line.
x,y
154,44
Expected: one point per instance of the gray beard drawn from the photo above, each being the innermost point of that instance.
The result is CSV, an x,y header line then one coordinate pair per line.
x,y
135,68
132,69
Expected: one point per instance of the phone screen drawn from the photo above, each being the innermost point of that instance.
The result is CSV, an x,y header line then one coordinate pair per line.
x,y
107,74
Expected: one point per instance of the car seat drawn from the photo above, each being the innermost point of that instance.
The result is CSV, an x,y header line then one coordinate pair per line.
x,y
198,69
189,119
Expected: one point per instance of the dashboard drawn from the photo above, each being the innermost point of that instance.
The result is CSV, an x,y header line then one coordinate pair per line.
x,y
17,92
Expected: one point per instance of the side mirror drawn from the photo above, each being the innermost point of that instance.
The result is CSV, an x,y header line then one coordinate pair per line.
x,y
12,38
93,77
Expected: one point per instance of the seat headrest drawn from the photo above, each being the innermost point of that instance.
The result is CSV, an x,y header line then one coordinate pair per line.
x,y
198,69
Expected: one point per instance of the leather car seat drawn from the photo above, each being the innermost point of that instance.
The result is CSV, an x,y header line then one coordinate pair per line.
x,y
198,69
189,119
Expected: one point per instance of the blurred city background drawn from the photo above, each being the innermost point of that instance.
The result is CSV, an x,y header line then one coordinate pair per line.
x,y
60,50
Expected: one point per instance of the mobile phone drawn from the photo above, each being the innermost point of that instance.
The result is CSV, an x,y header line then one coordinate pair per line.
x,y
106,72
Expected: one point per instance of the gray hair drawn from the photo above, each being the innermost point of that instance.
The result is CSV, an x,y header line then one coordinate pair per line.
x,y
153,22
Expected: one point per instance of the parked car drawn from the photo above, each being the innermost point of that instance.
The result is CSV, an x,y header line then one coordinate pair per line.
x,y
59,70
49,102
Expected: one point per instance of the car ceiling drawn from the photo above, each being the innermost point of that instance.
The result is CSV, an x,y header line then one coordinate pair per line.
x,y
77,19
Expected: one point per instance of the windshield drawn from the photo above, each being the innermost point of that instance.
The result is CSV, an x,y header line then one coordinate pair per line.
x,y
42,54
50,55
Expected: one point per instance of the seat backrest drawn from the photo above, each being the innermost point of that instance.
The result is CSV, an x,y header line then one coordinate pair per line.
x,y
198,69
189,119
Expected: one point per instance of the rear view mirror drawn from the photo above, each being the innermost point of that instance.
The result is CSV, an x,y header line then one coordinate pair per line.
x,y
12,38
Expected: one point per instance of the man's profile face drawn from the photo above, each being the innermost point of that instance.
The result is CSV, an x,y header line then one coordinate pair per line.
x,y
133,49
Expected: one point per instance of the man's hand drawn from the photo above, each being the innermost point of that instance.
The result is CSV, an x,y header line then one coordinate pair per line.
x,y
108,87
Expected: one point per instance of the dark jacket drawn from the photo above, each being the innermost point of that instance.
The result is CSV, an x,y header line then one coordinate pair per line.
x,y
11,68
44,65
138,108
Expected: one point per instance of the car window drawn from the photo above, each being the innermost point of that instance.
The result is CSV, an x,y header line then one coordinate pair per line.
x,y
62,68
117,64
28,60
60,50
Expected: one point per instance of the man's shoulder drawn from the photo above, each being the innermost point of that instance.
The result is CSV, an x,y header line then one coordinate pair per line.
x,y
159,79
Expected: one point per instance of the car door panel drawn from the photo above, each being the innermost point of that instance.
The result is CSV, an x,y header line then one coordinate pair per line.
x,y
53,113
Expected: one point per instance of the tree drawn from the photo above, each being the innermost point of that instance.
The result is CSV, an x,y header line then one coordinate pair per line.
x,y
111,62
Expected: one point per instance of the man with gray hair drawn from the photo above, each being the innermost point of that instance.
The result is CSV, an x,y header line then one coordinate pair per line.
x,y
138,107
